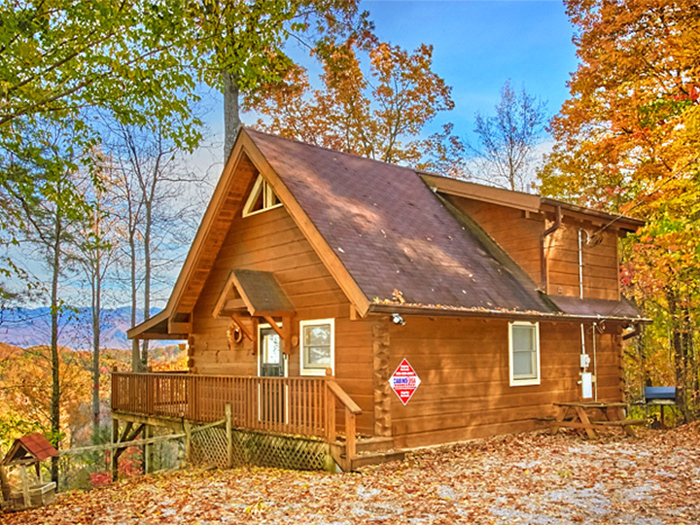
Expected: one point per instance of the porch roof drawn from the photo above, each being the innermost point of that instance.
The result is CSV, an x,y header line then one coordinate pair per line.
x,y
261,293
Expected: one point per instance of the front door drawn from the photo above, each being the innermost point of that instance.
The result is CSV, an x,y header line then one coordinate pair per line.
x,y
271,356
272,401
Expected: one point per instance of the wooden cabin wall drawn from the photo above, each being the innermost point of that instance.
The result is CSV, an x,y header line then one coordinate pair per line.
x,y
519,235
270,241
465,392
600,262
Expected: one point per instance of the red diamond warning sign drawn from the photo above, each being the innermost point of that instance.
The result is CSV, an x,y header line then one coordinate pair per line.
x,y
404,381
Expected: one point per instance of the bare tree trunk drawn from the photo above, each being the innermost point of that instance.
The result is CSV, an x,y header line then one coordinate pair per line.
x,y
96,311
232,113
55,377
147,269
135,353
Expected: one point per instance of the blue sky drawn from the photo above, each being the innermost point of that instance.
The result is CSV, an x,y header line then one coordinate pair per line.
x,y
478,45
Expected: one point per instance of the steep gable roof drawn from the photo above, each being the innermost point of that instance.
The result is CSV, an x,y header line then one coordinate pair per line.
x,y
392,233
381,230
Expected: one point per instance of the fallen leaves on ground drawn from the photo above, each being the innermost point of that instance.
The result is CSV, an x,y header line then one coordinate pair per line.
x,y
528,478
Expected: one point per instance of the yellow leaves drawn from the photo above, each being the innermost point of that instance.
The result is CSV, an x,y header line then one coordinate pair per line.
x,y
256,508
382,120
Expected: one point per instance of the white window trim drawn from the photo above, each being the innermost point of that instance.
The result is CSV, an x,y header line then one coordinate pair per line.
x,y
260,185
514,381
315,371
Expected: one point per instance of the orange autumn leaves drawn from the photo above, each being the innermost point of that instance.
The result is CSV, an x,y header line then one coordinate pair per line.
x,y
374,100
628,140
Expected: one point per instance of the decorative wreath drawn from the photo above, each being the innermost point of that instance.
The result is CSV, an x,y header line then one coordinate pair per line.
x,y
234,334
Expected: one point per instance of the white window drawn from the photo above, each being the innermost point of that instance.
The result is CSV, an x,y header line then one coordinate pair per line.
x,y
317,346
261,198
524,353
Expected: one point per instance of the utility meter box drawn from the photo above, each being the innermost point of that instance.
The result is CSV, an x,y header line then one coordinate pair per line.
x,y
585,360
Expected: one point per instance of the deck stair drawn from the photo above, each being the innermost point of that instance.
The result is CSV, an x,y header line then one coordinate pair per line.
x,y
370,451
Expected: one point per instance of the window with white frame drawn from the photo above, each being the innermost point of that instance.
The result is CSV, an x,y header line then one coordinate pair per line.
x,y
261,198
317,346
524,353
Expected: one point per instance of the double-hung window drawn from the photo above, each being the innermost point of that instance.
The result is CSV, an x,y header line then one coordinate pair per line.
x,y
524,353
317,346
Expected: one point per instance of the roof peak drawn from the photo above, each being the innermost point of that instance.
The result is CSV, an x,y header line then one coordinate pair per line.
x,y
273,136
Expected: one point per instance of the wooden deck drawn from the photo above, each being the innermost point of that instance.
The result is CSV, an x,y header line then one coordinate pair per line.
x,y
296,406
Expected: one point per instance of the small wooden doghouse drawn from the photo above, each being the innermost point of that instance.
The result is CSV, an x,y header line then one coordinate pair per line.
x,y
26,452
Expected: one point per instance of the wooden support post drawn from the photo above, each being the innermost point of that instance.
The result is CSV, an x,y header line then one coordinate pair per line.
x,y
254,331
330,416
4,485
114,459
350,435
148,452
25,485
229,436
287,345
188,442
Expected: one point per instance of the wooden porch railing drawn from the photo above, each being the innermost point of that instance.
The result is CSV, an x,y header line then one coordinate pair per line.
x,y
304,406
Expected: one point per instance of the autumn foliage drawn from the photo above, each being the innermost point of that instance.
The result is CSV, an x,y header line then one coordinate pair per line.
x,y
628,141
372,101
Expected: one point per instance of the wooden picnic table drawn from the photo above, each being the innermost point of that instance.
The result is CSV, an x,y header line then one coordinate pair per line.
x,y
592,416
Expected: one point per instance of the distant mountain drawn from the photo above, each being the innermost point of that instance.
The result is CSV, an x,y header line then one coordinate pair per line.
x,y
26,327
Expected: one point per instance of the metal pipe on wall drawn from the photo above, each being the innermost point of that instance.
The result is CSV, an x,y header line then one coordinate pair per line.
x,y
595,364
580,259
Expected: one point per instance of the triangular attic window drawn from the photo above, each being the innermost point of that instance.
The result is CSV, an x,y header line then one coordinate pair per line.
x,y
261,198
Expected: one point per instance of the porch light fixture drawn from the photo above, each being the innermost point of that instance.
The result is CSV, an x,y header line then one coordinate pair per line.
x,y
398,320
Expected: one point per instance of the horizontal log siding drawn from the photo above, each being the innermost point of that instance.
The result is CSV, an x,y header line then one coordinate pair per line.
x,y
600,263
270,241
519,236
465,392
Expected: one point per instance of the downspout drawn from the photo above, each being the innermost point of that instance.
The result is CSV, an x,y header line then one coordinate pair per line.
x,y
580,289
543,258
595,364
580,259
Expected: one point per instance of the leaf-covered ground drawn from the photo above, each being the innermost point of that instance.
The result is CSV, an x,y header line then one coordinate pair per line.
x,y
529,478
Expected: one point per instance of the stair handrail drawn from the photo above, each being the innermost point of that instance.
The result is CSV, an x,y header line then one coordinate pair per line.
x,y
352,410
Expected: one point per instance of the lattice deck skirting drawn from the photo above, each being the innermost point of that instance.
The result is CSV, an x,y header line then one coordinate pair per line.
x,y
210,447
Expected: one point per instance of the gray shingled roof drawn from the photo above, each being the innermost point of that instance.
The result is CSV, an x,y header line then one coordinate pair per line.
x,y
393,233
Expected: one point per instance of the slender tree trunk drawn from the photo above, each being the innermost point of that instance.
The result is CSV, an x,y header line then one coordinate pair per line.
x,y
135,353
96,311
679,353
55,378
232,113
147,274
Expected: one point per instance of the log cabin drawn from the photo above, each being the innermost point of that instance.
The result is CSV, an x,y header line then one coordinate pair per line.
x,y
316,276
